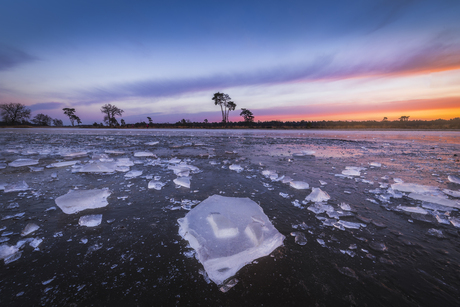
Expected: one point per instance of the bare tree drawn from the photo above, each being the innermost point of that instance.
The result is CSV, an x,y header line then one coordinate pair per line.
x,y
42,120
111,111
226,105
13,113
70,112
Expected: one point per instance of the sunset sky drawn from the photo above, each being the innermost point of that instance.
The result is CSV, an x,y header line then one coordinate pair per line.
x,y
283,60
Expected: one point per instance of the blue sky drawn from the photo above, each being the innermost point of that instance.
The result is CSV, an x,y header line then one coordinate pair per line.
x,y
285,60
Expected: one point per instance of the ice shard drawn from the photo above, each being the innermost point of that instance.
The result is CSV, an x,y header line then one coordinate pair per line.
x,y
452,178
23,162
317,195
227,233
31,227
92,220
413,188
183,182
16,187
78,200
299,185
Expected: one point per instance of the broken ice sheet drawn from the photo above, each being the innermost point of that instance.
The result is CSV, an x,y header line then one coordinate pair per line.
x,y
133,174
317,195
227,233
78,200
299,185
63,164
31,227
144,154
352,171
155,184
91,220
454,179
236,167
435,200
183,182
16,187
23,162
413,188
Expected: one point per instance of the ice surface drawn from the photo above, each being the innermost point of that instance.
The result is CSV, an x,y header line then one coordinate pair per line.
x,y
31,227
63,164
299,237
144,154
91,220
236,167
454,179
452,193
299,185
183,182
435,200
23,162
97,167
155,184
413,188
16,187
78,200
228,233
412,209
317,195
7,251
133,174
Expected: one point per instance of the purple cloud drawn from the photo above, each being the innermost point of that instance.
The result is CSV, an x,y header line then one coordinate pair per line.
x,y
11,57
46,106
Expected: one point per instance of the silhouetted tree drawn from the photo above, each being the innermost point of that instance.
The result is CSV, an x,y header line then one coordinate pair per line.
x,y
385,119
247,115
150,120
58,122
42,120
111,111
226,105
123,122
206,121
13,113
70,112
404,118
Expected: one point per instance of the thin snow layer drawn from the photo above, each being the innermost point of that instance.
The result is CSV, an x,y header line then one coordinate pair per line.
x,y
23,162
227,233
317,195
454,179
299,185
92,220
79,200
413,188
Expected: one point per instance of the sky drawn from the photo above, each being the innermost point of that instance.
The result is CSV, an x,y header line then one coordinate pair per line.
x,y
283,60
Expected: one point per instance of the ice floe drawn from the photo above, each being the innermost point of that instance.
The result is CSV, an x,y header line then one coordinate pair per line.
x,y
63,164
435,200
144,154
78,200
133,174
317,195
30,228
299,185
183,182
413,188
91,220
23,162
156,185
236,167
227,233
16,187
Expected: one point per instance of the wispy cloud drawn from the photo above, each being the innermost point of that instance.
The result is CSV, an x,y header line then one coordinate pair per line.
x,y
435,56
46,106
11,57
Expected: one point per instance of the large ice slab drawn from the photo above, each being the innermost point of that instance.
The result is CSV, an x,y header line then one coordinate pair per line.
x,y
317,195
454,179
227,233
23,162
435,200
79,200
413,188
16,187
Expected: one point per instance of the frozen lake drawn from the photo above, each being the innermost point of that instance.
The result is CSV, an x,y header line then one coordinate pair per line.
x,y
369,218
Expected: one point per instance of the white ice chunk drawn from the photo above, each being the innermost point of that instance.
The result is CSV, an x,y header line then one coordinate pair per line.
x,y
286,179
23,162
413,188
227,233
375,164
435,200
63,164
350,225
75,154
322,182
299,185
269,173
115,152
412,209
152,143
454,179
16,187
454,221
452,193
180,171
124,162
183,182
133,174
144,154
345,207
35,242
351,172
236,167
91,220
31,227
155,184
78,200
174,160
7,251
317,195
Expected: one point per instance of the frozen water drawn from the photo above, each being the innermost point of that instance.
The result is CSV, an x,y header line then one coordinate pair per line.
x,y
31,227
350,225
152,143
322,182
412,209
144,154
155,184
299,237
183,182
454,179
236,167
78,200
299,185
16,187
124,162
452,193
317,195
133,174
345,207
63,164
413,188
75,154
97,167
23,162
227,233
91,220
435,200
351,172
7,251
320,208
